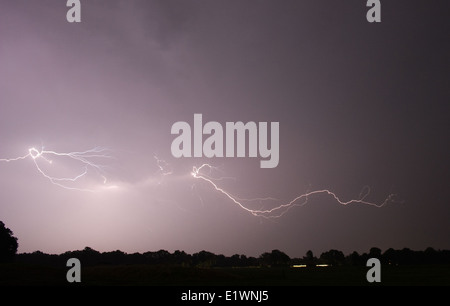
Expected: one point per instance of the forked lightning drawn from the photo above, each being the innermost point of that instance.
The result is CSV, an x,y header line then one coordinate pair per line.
x,y
84,158
281,209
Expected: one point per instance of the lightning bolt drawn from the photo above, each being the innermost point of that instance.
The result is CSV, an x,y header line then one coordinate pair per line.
x,y
84,158
86,161
164,167
281,209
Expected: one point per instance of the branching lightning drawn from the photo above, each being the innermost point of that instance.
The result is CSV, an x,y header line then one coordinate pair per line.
x,y
281,209
85,159
163,166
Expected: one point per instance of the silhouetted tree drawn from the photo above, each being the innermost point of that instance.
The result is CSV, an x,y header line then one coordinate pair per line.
x,y
251,262
375,253
114,257
406,256
354,259
390,257
265,259
430,256
181,258
235,260
309,259
275,258
280,258
204,259
333,257
8,244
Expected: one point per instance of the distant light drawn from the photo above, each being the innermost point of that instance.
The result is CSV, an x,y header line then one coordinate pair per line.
x,y
322,265
299,266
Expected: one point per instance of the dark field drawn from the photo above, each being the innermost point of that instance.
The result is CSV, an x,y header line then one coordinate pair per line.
x,y
148,275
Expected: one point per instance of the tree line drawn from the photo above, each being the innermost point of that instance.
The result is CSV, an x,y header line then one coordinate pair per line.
x,y
205,259
275,258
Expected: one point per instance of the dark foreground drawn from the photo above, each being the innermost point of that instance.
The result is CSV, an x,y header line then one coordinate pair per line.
x,y
148,275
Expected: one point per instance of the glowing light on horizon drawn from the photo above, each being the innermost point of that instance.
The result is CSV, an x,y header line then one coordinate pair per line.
x,y
299,266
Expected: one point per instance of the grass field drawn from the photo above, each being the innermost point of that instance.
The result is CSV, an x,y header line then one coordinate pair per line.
x,y
147,275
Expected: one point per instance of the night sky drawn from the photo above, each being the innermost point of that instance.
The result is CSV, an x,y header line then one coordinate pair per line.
x,y
358,104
